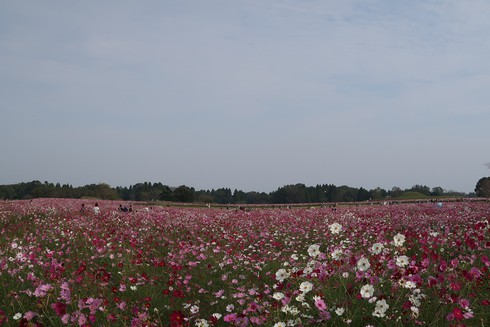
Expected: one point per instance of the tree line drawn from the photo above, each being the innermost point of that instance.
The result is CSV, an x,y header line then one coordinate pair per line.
x,y
293,193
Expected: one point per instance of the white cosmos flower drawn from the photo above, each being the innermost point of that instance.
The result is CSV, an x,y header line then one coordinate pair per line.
x,y
281,275
367,291
280,324
377,248
382,306
410,284
194,309
202,323
380,309
363,264
402,261
336,254
335,228
17,316
305,287
399,239
339,311
278,296
314,250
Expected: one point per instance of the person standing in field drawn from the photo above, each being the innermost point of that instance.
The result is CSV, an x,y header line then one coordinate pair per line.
x,y
96,209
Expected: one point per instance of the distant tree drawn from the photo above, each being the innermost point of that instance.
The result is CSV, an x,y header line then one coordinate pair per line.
x,y
222,195
345,193
257,198
166,194
395,192
239,196
203,197
363,195
330,191
482,188
378,193
315,194
437,191
104,191
184,194
421,189
290,194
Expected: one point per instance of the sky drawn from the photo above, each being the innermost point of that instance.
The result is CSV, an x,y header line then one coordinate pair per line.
x,y
245,94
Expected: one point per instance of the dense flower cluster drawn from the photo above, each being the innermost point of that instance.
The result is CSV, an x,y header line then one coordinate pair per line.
x,y
410,264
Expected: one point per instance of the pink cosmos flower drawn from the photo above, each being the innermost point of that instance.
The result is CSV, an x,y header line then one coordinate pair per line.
x,y
65,293
82,320
230,317
319,303
29,315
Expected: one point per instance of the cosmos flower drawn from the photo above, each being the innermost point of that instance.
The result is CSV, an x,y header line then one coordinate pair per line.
x,y
278,296
339,311
402,261
314,250
363,264
335,228
399,239
336,254
319,303
305,287
367,291
377,248
194,309
281,275
202,323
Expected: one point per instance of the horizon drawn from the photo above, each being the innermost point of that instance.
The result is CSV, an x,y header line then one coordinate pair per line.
x,y
233,189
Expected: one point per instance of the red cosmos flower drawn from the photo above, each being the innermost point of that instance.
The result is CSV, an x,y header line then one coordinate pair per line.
x,y
178,293
176,319
3,317
59,308
458,314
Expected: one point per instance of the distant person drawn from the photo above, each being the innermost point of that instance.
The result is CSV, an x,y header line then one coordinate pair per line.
x,y
96,209
83,209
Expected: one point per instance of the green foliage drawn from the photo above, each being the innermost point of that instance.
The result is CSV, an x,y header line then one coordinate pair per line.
x,y
482,188
412,195
293,193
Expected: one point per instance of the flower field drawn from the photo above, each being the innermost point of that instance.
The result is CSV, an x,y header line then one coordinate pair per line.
x,y
391,265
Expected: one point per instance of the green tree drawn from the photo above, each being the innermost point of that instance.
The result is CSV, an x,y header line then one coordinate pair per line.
x,y
184,194
482,188
363,194
290,194
222,196
239,196
437,191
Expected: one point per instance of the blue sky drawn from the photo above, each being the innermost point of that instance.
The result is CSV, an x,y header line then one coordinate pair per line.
x,y
251,95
